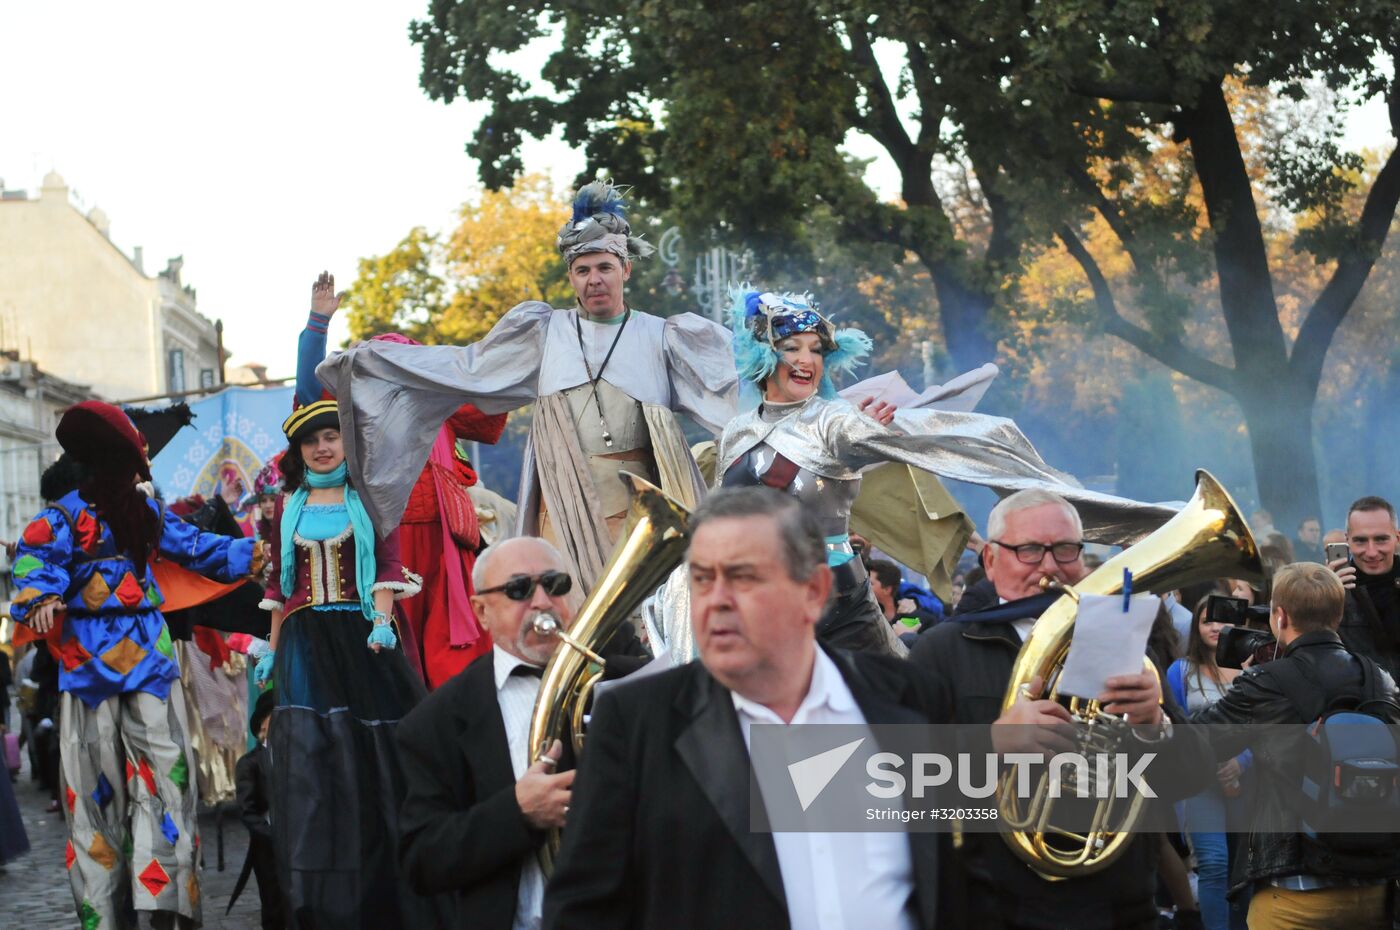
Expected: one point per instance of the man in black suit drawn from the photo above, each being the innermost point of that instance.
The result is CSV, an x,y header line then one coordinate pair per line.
x,y
660,834
476,811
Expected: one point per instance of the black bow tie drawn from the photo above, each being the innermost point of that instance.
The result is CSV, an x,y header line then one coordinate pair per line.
x,y
534,671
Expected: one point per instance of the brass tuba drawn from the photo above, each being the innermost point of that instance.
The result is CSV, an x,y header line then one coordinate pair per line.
x,y
1208,539
653,546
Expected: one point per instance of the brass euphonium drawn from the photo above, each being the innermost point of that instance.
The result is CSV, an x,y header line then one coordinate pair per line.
x,y
651,548
1208,539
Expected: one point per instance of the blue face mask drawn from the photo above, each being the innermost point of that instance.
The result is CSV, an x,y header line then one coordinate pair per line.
x,y
784,325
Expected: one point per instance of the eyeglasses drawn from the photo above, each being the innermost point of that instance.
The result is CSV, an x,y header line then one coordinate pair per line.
x,y
1031,553
521,587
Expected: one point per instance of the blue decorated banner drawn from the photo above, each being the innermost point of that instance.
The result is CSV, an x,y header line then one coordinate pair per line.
x,y
234,434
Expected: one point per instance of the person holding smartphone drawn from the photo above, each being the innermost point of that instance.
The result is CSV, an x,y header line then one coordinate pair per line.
x,y
1371,623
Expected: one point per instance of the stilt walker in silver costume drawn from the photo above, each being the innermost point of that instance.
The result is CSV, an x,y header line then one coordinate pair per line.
x,y
604,378
796,435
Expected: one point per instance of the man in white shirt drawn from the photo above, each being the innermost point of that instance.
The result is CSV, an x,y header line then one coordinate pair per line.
x,y
476,811
660,832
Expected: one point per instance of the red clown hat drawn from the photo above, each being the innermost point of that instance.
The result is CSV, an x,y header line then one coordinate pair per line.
x,y
103,438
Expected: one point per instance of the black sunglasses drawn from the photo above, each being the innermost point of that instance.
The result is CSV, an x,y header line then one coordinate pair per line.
x,y
521,587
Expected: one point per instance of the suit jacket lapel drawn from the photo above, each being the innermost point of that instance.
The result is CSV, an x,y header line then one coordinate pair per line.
x,y
712,747
484,738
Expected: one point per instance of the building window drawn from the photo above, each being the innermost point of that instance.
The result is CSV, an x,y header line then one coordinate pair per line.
x,y
176,373
206,377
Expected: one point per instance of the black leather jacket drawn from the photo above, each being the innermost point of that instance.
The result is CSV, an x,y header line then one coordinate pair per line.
x,y
1365,632
1256,697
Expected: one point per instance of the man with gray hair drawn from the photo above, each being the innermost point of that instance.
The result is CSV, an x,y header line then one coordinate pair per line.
x,y
476,806
668,755
1034,536
605,380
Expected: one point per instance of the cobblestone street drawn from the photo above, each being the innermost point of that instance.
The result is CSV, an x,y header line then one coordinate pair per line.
x,y
34,890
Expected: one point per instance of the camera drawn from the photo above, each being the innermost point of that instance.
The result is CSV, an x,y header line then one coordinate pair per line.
x,y
1238,643
1234,611
1241,637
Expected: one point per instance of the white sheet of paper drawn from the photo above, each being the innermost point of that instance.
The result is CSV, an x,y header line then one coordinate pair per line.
x,y
1106,642
960,395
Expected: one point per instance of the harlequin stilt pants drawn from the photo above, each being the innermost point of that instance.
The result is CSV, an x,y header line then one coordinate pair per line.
x,y
129,795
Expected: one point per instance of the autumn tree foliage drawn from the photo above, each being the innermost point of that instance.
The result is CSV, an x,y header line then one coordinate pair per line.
x,y
736,116
451,287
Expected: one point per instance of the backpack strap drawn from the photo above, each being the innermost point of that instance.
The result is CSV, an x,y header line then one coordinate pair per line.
x,y
1309,700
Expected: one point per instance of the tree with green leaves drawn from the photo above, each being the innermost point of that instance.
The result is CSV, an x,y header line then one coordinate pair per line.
x,y
452,288
735,116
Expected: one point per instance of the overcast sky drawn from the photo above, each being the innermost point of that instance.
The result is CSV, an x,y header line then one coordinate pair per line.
x,y
261,141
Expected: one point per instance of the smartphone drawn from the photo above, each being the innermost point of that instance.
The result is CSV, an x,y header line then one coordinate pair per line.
x,y
1337,551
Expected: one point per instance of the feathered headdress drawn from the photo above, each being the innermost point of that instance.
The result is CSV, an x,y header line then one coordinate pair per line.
x,y
599,224
762,319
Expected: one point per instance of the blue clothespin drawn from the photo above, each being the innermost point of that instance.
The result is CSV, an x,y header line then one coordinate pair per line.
x,y
1127,588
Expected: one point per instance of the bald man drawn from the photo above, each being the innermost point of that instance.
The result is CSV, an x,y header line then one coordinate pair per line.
x,y
477,807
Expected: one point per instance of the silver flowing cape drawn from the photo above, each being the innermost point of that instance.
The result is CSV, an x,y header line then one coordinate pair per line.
x,y
393,397
834,439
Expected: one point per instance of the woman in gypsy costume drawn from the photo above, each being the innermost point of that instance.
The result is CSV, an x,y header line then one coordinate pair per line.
x,y
797,436
342,687
439,533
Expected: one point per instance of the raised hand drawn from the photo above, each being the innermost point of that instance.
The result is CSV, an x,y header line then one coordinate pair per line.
x,y
324,299
1345,571
882,413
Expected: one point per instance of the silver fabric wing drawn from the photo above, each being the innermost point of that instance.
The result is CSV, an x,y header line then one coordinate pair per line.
x,y
393,398
700,362
834,439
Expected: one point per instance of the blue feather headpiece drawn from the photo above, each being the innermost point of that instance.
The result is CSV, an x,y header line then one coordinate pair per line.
x,y
597,198
760,320
599,224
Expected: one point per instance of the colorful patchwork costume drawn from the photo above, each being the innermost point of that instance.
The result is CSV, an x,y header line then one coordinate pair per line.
x,y
127,768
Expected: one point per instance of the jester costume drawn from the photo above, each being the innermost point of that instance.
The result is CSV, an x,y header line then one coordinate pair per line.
x,y
604,394
127,766
337,782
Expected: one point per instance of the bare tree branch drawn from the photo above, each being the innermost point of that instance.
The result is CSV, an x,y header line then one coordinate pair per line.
x,y
1168,351
1114,217
882,122
931,106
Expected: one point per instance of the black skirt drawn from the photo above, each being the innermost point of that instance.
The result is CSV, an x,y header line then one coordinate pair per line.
x,y
337,781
